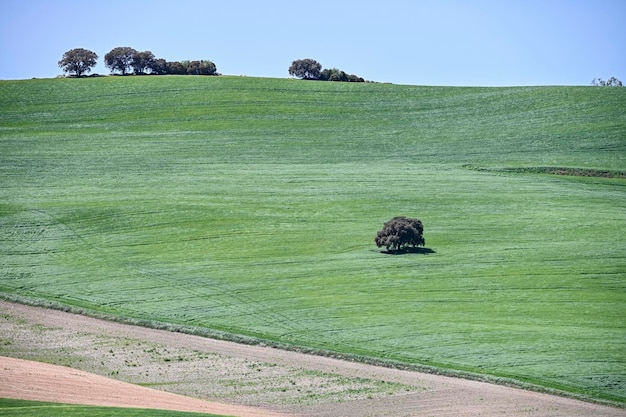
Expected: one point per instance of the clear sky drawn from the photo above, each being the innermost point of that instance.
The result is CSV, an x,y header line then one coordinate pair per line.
x,y
438,42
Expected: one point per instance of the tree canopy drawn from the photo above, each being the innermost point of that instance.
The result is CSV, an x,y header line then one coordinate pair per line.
x,y
334,74
120,59
201,67
611,82
399,233
78,61
142,62
308,69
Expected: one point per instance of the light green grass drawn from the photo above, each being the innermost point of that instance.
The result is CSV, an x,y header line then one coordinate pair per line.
x,y
249,206
14,408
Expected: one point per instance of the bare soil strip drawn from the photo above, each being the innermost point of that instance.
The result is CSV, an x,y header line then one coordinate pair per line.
x,y
28,380
247,380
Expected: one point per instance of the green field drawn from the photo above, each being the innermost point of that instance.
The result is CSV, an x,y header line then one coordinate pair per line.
x,y
249,206
15,408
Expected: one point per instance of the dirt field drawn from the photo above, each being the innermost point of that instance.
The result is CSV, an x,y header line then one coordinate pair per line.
x,y
30,380
232,379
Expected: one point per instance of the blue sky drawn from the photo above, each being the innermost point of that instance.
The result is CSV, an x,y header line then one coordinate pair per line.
x,y
445,42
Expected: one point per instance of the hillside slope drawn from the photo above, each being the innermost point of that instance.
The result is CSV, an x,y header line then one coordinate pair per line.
x,y
246,208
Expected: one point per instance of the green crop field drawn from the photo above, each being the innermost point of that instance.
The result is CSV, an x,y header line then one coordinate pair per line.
x,y
248,207
21,408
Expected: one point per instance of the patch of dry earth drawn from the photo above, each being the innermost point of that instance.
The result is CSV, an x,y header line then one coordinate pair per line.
x,y
28,380
256,377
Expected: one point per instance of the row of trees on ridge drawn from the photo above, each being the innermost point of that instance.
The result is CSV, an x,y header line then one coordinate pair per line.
x,y
611,82
310,69
125,60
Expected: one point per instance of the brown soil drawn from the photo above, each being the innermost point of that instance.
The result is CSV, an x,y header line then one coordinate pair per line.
x,y
29,380
114,364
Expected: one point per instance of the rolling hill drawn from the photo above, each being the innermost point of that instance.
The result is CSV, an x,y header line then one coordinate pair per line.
x,y
246,208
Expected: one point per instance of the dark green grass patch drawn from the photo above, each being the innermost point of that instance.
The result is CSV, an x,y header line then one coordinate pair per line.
x,y
250,206
14,408
567,171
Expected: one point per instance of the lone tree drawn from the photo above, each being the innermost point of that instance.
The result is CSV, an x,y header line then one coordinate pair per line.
x,y
78,61
308,69
399,233
120,59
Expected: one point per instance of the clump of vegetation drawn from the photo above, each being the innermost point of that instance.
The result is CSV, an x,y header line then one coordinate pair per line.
x,y
566,171
611,82
400,233
310,69
335,74
125,60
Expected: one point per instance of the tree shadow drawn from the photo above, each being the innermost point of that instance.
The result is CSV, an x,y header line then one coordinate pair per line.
x,y
408,251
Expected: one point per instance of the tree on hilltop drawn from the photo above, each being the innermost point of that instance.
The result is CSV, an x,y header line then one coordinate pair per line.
x,y
120,59
399,233
201,67
176,68
158,66
78,61
307,69
310,69
334,74
125,60
142,62
611,82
